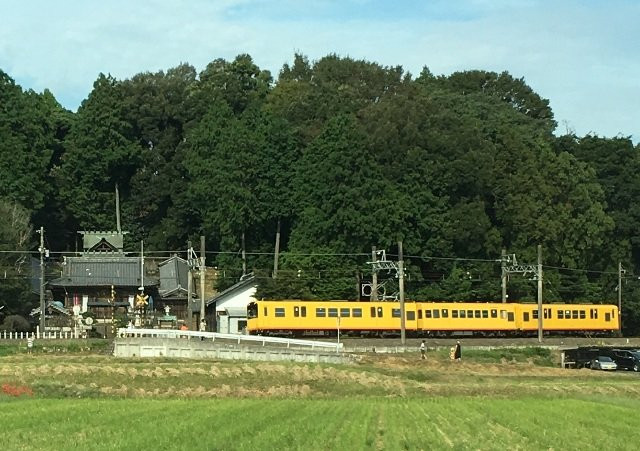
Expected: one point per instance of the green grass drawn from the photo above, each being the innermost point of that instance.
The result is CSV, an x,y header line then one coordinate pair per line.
x,y
490,400
13,347
536,355
391,424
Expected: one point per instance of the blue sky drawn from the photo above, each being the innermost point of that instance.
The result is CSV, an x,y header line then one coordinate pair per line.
x,y
584,56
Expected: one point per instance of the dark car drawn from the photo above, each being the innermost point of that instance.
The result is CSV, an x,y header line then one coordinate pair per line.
x,y
626,360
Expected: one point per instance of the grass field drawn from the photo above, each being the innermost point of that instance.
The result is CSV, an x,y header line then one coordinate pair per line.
x,y
394,424
511,399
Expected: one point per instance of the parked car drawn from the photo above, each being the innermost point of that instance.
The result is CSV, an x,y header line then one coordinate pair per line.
x,y
627,360
603,363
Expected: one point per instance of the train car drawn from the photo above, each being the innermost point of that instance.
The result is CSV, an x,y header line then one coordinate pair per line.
x,y
444,318
569,318
326,317
298,318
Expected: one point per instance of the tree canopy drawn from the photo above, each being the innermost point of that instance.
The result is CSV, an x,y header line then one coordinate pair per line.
x,y
334,156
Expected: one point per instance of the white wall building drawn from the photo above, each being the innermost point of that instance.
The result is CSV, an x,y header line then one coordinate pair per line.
x,y
230,306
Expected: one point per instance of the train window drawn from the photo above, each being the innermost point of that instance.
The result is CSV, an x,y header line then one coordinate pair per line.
x,y
595,313
265,311
547,313
478,314
583,314
296,311
607,316
419,314
345,312
373,312
395,313
303,311
379,312
613,313
485,313
469,313
494,313
333,313
411,316
567,314
591,313
510,316
503,314
357,313
321,312
445,313
534,314
526,316
454,313
427,313
462,313
279,312
436,313
574,314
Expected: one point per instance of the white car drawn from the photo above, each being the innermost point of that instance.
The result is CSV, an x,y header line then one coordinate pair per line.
x,y
603,363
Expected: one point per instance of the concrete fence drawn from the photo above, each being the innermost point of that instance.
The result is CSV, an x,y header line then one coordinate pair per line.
x,y
235,338
200,349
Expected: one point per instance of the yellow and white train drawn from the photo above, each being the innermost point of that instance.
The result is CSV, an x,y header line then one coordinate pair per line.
x,y
298,318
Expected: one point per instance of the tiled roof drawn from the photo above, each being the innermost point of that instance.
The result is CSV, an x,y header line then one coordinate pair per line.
x,y
102,271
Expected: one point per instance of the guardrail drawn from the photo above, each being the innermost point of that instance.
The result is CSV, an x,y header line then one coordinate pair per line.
x,y
213,336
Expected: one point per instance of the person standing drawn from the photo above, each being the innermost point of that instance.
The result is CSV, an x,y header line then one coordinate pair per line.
x,y
423,350
29,344
457,352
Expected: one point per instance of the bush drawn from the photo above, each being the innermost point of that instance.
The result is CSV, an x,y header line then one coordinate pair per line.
x,y
15,323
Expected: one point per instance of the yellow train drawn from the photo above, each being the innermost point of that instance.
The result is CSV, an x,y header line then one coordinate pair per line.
x,y
300,318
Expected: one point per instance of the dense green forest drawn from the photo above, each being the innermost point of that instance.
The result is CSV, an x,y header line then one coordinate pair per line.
x,y
335,156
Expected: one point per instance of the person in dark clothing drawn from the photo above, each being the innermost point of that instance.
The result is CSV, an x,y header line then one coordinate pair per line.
x,y
457,352
423,350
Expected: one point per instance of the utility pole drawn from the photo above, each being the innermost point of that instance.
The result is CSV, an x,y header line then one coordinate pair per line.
x,y
118,209
503,265
142,266
620,273
374,277
189,285
536,270
277,251
539,277
202,275
244,256
42,306
403,338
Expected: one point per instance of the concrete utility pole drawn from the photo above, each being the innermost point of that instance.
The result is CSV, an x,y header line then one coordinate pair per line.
x,y
142,266
189,285
403,332
503,265
202,275
244,256
620,273
118,209
42,306
277,251
536,270
539,276
374,277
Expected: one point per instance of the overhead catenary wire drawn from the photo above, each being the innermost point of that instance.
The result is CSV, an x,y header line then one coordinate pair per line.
x,y
169,253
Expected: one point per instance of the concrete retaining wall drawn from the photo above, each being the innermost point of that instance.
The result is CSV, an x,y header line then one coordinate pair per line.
x,y
196,349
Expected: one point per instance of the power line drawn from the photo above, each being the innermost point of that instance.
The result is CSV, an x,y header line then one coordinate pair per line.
x,y
562,268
